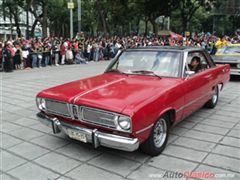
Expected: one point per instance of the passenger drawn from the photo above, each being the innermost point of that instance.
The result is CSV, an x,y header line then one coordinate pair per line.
x,y
195,64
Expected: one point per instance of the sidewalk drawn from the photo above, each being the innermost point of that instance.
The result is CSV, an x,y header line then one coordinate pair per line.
x,y
207,141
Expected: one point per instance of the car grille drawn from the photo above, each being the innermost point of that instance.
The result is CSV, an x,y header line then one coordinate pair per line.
x,y
99,117
58,108
82,113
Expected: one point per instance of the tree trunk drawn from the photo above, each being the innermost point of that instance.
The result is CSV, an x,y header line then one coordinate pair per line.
x,y
27,20
17,25
33,28
146,28
104,24
155,27
44,23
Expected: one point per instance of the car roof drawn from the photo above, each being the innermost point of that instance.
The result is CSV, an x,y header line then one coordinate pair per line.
x,y
167,48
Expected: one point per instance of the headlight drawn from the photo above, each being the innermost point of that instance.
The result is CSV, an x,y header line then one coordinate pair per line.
x,y
41,103
124,122
238,65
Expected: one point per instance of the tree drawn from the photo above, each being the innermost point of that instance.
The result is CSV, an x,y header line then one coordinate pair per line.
x,y
12,10
189,7
152,9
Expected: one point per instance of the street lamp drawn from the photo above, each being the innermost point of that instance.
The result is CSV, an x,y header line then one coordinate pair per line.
x,y
71,6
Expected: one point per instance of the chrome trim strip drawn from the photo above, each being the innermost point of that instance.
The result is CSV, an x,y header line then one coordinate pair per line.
x,y
144,129
190,103
96,88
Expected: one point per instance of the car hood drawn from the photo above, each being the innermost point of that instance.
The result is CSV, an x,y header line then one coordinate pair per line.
x,y
110,91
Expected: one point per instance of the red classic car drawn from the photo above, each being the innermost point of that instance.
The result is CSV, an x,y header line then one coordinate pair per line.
x,y
142,93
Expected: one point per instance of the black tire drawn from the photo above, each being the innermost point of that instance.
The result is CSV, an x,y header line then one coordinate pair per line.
x,y
214,99
149,146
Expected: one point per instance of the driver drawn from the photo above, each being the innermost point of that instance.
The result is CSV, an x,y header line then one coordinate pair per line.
x,y
195,64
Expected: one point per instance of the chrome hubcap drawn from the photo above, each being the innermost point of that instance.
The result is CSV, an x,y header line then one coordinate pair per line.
x,y
160,133
215,96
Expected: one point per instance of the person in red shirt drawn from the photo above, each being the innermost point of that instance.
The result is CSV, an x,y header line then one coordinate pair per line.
x,y
63,48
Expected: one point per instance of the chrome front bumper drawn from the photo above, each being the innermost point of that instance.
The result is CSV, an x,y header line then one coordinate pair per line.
x,y
93,136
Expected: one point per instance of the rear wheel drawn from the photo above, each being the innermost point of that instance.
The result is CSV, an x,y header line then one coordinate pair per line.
x,y
157,140
214,99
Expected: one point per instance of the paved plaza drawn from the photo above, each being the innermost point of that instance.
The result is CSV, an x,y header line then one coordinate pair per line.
x,y
207,141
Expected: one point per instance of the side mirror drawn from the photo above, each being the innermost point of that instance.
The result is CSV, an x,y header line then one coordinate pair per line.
x,y
189,74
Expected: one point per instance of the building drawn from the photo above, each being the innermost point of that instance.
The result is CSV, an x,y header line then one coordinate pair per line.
x,y
8,30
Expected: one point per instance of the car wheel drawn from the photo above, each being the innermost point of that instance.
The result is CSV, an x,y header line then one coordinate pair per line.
x,y
157,140
214,99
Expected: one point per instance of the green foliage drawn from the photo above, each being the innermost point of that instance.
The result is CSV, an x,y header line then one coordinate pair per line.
x,y
123,17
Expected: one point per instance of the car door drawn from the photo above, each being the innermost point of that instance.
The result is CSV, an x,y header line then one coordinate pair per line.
x,y
196,87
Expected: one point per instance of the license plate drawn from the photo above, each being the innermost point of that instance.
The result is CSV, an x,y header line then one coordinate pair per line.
x,y
77,135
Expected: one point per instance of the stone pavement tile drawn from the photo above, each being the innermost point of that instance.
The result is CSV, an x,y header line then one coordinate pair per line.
x,y
82,152
171,163
6,116
147,173
7,127
178,131
186,124
64,178
25,133
26,121
25,112
194,119
231,141
188,154
7,177
202,114
237,126
220,174
203,136
229,114
88,172
9,161
7,141
227,150
28,150
211,129
195,144
40,127
234,133
50,142
172,138
115,164
224,118
214,122
223,162
57,162
30,171
136,155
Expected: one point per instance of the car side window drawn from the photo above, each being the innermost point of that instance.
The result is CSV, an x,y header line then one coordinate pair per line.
x,y
197,62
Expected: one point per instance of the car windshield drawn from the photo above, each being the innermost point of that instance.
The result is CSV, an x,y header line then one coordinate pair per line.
x,y
156,63
229,50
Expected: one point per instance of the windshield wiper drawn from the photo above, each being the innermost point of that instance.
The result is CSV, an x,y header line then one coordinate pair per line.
x,y
147,72
115,70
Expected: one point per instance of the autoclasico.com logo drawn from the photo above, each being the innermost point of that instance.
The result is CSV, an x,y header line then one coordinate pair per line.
x,y
189,174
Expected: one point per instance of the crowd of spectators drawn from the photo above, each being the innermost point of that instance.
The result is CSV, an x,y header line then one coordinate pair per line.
x,y
38,53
